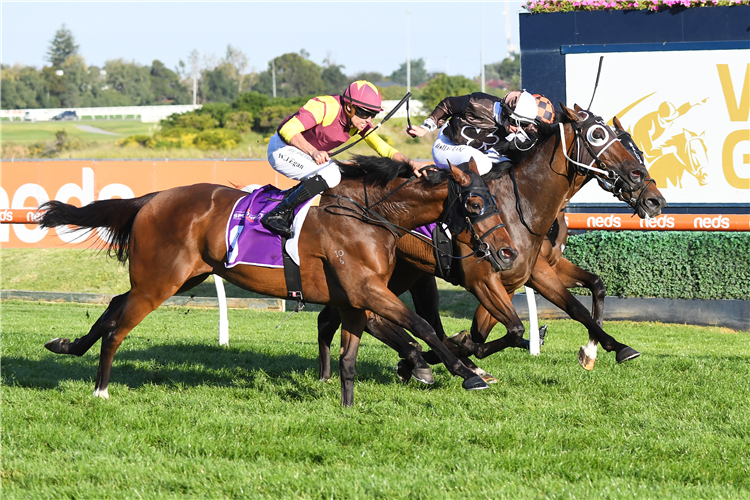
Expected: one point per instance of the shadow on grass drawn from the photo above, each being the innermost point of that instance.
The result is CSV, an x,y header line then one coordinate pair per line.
x,y
192,365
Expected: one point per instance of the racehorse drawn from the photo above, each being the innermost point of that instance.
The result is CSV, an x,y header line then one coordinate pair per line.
x,y
689,156
175,239
547,171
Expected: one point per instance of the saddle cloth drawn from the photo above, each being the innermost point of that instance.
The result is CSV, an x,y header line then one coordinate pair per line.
x,y
249,242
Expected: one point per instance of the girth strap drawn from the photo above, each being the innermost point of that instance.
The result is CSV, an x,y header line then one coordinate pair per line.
x,y
293,278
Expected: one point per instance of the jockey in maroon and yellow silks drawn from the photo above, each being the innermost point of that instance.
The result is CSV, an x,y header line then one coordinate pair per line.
x,y
323,123
300,147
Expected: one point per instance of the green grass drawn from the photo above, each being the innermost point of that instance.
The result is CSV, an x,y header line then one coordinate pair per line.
x,y
17,135
189,419
29,133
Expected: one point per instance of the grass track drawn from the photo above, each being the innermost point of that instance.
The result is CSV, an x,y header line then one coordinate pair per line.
x,y
190,419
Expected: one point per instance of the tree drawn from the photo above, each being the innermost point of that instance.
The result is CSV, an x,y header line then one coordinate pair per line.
x,y
443,86
239,61
166,86
131,80
295,76
509,69
61,47
219,85
334,79
417,70
370,76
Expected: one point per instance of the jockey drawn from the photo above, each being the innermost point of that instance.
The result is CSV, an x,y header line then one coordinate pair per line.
x,y
484,127
299,149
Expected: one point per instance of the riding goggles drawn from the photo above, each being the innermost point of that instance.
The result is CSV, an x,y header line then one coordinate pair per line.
x,y
365,113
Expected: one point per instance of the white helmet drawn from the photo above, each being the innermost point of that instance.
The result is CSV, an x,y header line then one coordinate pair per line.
x,y
526,108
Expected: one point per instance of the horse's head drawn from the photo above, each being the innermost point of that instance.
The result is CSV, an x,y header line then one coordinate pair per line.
x,y
616,166
646,201
696,155
472,215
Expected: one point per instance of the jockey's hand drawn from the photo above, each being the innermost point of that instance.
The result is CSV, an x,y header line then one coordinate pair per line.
x,y
416,131
320,157
418,165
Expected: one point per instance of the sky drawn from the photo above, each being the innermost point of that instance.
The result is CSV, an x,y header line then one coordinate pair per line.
x,y
361,36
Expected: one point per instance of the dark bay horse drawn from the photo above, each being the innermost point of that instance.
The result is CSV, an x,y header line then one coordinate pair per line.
x,y
545,180
174,240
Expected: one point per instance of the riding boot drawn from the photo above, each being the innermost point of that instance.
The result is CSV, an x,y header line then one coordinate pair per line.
x,y
279,220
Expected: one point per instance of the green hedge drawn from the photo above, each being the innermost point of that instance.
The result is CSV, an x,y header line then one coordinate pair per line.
x,y
675,265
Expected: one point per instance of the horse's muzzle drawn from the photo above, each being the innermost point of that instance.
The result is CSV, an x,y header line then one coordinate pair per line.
x,y
650,206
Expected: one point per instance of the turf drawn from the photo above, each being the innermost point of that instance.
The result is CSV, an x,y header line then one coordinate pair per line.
x,y
189,419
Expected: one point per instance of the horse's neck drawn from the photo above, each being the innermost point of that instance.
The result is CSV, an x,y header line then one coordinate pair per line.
x,y
545,181
409,205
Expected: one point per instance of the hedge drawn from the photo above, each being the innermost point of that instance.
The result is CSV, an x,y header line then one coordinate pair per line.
x,y
675,265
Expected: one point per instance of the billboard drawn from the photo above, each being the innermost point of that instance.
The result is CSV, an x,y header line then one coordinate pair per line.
x,y
687,110
27,184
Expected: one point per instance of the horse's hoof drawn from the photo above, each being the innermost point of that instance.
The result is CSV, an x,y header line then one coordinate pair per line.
x,y
524,344
626,354
98,393
542,335
404,371
423,375
475,383
462,339
585,361
58,345
485,376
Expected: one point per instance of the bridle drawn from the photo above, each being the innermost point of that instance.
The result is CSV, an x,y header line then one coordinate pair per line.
x,y
456,214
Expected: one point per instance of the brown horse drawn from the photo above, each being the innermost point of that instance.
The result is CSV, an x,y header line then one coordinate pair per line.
x,y
175,239
546,171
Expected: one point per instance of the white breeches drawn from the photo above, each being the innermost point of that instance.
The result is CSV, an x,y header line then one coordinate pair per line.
x,y
293,163
444,151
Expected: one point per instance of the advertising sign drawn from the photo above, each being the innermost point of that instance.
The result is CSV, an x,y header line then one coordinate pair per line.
x,y
688,111
28,184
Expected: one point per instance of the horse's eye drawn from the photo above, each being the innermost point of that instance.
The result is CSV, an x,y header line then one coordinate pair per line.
x,y
598,134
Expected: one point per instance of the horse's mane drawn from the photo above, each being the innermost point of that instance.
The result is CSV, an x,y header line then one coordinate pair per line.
x,y
382,170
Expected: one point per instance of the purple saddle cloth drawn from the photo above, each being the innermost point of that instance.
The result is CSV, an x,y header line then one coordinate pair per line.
x,y
248,241
426,230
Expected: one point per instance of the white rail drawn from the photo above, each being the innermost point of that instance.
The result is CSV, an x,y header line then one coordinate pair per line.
x,y
147,114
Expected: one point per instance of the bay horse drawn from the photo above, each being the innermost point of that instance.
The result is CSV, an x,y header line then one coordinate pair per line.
x,y
174,239
547,167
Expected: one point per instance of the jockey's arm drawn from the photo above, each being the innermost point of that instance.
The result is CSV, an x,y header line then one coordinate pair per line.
x,y
383,149
442,112
299,142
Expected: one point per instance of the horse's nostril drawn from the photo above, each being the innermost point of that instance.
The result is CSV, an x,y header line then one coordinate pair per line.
x,y
507,253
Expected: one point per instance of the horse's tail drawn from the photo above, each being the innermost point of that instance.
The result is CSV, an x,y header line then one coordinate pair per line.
x,y
116,216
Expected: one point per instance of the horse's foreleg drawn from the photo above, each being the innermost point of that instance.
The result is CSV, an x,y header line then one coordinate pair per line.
x,y
392,335
383,302
573,276
329,320
104,325
352,324
544,280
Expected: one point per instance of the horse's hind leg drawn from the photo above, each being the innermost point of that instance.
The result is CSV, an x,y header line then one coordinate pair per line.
x,y
329,320
105,324
352,324
137,307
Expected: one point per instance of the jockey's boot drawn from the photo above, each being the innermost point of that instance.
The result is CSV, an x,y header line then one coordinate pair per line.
x,y
279,220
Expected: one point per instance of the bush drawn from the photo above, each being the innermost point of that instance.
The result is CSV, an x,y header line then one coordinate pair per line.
x,y
217,139
673,265
271,117
190,120
240,121
136,140
443,86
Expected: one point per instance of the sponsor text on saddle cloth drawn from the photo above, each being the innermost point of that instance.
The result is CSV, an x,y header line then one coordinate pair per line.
x,y
249,242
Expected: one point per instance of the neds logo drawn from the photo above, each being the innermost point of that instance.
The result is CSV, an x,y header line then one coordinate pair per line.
x,y
661,222
611,221
718,222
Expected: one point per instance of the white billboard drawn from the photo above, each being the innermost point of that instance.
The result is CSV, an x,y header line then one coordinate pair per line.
x,y
687,110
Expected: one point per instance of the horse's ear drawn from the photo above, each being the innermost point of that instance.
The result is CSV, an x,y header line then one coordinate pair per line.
x,y
569,113
618,125
459,175
577,108
473,166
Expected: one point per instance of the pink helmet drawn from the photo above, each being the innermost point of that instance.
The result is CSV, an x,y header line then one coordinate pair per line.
x,y
363,94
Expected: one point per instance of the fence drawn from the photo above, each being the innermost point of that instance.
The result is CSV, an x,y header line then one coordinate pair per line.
x,y
147,114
